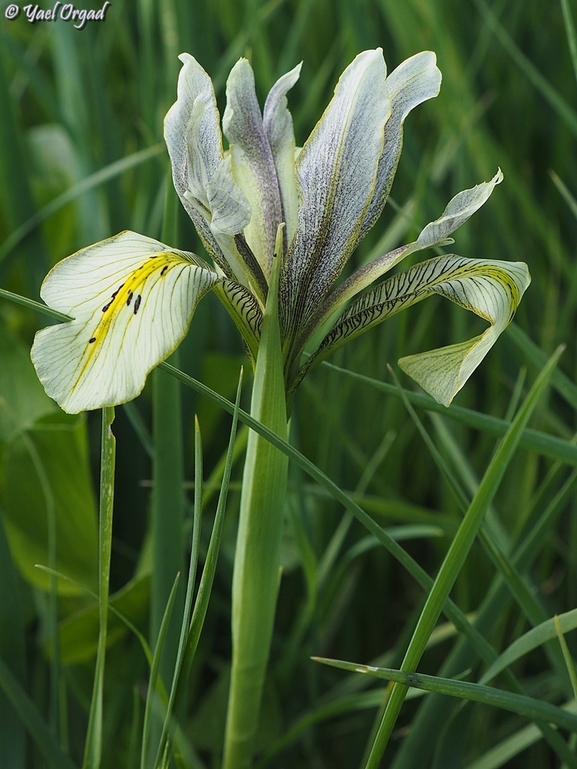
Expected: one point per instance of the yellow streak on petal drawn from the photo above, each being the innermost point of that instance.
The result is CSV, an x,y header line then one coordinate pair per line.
x,y
127,298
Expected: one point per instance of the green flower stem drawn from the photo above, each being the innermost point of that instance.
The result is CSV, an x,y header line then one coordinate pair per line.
x,y
257,558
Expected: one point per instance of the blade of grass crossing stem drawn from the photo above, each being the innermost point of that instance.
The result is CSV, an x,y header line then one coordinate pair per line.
x,y
156,697
455,558
434,712
529,707
456,616
93,747
257,557
477,641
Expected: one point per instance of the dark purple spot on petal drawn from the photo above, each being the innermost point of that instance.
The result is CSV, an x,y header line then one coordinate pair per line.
x,y
164,269
130,295
137,302
117,290
92,340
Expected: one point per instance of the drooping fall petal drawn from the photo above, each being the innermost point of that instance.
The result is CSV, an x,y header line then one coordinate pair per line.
x,y
490,289
459,209
131,300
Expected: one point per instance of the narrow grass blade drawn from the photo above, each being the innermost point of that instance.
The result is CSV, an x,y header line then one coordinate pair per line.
x,y
561,107
498,756
571,35
209,570
566,655
33,305
93,745
156,698
193,618
456,557
529,707
530,640
548,445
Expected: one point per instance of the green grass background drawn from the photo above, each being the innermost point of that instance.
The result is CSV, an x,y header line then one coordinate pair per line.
x,y
81,158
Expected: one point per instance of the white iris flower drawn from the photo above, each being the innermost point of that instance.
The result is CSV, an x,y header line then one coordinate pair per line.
x,y
131,298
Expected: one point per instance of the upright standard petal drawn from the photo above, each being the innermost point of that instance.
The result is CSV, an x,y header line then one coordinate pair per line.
x,y
253,165
202,177
490,289
336,175
278,127
414,81
131,300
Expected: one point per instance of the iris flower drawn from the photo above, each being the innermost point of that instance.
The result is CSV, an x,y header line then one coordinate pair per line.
x,y
132,298
279,224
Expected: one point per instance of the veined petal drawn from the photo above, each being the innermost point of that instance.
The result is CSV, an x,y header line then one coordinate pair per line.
x,y
131,300
414,81
490,289
336,175
253,166
459,209
244,310
278,128
457,212
202,178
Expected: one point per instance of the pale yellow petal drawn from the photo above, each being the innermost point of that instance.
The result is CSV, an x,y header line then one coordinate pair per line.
x,y
131,300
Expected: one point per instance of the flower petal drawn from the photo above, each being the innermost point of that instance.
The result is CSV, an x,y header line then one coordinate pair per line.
x,y
278,127
459,209
131,300
201,175
490,289
244,310
336,175
253,166
414,81
457,212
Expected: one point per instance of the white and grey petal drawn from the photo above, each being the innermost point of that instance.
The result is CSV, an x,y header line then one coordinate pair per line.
x,y
253,165
278,128
490,289
202,177
336,176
